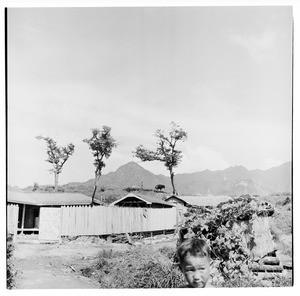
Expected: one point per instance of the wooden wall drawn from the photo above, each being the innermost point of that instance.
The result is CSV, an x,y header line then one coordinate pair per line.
x,y
100,220
96,220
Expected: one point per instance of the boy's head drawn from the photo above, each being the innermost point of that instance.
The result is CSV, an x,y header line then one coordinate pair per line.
x,y
194,261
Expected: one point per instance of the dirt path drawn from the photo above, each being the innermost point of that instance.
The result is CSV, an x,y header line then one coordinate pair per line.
x,y
54,266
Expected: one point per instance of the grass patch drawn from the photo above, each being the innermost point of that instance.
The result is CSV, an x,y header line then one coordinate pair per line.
x,y
283,281
138,267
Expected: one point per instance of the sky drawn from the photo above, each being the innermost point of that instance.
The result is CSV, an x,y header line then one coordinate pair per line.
x,y
224,74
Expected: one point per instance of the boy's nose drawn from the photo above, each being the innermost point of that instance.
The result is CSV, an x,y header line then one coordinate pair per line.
x,y
197,274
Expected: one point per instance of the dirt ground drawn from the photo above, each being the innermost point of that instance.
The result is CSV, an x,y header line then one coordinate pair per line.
x,y
55,266
59,265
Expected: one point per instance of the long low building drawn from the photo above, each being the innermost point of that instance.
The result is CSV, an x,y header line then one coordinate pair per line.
x,y
30,203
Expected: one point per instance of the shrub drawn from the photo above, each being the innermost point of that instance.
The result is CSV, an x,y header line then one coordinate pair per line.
x,y
10,273
131,189
160,187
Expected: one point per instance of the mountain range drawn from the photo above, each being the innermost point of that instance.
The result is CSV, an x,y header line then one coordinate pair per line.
x,y
231,181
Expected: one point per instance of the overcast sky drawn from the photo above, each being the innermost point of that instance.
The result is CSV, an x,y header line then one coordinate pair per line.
x,y
222,73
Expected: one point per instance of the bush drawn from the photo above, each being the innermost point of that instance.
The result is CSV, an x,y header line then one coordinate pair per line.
x,y
131,189
160,187
10,273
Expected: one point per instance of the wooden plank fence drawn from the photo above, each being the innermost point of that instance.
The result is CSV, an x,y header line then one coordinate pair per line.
x,y
100,220
12,219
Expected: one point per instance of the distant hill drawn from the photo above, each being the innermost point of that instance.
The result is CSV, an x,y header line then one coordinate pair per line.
x,y
231,181
235,180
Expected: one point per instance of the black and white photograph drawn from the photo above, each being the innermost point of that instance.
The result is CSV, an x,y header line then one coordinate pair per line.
x,y
149,147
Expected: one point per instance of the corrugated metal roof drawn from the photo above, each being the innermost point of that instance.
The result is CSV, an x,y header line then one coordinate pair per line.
x,y
203,200
48,199
146,199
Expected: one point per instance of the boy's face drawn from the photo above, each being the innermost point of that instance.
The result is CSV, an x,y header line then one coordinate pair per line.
x,y
195,270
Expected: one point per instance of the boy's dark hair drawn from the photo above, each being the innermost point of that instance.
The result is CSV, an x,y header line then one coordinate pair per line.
x,y
193,246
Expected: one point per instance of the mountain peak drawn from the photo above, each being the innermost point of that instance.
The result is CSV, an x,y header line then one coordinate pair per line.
x,y
130,165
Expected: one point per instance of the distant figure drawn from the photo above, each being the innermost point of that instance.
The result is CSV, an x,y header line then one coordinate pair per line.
x,y
194,262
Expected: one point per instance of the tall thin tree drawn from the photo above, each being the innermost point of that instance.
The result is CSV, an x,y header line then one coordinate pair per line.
x,y
165,151
101,143
57,156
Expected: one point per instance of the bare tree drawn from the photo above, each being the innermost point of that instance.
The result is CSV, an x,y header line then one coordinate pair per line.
x,y
57,156
165,151
101,143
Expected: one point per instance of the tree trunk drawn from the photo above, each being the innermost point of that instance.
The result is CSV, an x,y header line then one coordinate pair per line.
x,y
55,182
97,177
172,181
93,197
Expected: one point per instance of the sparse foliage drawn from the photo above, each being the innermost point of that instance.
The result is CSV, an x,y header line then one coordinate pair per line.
x,y
57,156
165,151
101,143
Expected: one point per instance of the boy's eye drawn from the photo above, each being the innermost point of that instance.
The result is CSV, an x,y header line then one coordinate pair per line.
x,y
191,269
